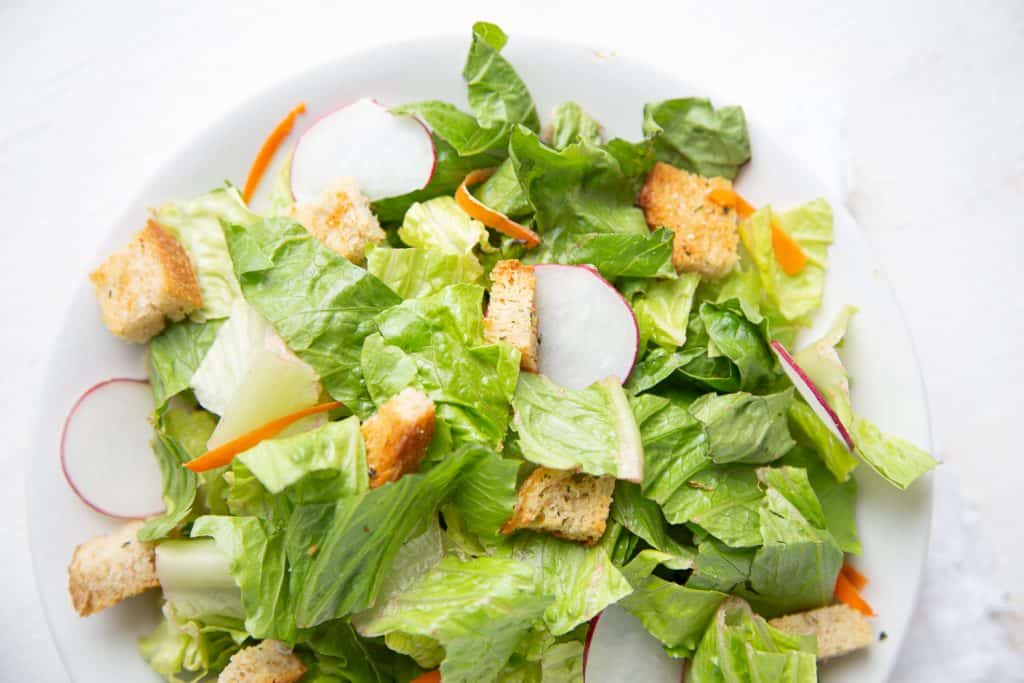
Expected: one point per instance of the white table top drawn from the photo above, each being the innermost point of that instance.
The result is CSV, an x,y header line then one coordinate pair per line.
x,y
927,102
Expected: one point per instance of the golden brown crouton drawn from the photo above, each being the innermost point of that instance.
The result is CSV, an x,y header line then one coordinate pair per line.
x,y
840,629
342,220
107,569
706,235
152,278
397,435
269,662
570,505
511,313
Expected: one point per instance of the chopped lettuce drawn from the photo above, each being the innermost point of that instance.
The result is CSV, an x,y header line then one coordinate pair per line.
x,y
837,498
477,610
691,134
740,647
898,461
592,430
197,225
461,130
570,124
175,355
662,309
745,428
496,94
732,335
415,273
723,500
321,305
486,497
642,517
191,648
197,580
502,193
281,201
808,429
441,224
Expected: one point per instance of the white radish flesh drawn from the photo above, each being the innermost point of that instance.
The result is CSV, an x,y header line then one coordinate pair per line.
x,y
587,329
387,154
105,450
815,399
620,649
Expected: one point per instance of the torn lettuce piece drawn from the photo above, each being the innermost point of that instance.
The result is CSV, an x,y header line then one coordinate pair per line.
x,y
441,224
838,499
174,356
502,193
745,343
486,497
413,273
186,650
197,225
496,93
808,429
899,462
196,578
719,567
570,124
723,500
691,134
740,647
821,363
643,517
591,430
478,611
662,309
745,428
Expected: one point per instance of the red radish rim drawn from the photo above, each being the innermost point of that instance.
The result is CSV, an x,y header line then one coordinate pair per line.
x,y
63,442
586,642
788,360
349,103
609,285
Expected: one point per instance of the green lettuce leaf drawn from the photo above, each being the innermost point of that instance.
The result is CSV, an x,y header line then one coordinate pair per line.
x,y
591,430
615,255
740,647
742,342
174,356
837,498
898,461
570,124
662,309
496,94
719,567
180,436
461,130
723,500
486,497
281,201
582,581
643,517
674,614
320,304
691,134
197,225
339,655
808,430
181,651
415,273
197,581
441,224
502,193
745,428
478,611
436,344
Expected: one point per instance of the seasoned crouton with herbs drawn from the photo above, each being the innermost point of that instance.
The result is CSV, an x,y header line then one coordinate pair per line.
x,y
569,505
107,569
341,219
269,662
146,282
840,629
706,237
397,435
512,314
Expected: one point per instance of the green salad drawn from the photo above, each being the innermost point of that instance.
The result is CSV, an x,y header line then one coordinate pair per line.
x,y
390,477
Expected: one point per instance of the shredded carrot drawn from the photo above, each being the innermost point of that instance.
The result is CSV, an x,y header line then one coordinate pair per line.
x,y
429,677
269,148
853,576
489,217
788,252
222,455
847,594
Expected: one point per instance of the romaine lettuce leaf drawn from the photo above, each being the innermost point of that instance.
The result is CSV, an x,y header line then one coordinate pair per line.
x,y
174,356
674,614
496,94
441,224
582,580
320,304
808,429
643,517
745,428
562,663
486,497
591,430
183,651
477,610
723,500
740,647
461,130
339,655
197,225
281,200
734,336
719,567
662,309
197,582
415,273
838,499
691,134
502,193
436,344
898,461
570,124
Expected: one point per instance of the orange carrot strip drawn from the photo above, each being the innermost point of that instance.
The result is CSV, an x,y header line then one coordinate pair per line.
x,y
222,455
788,252
489,217
847,594
429,677
853,576
269,148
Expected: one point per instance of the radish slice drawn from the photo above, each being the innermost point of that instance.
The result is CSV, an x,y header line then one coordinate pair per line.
x,y
815,399
618,648
587,330
389,155
105,450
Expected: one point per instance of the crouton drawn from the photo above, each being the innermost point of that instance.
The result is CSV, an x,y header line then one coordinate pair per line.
x,y
569,505
511,314
149,280
269,662
706,233
341,219
840,629
107,569
397,435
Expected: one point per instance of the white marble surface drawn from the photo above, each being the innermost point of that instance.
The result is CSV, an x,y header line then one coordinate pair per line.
x,y
925,99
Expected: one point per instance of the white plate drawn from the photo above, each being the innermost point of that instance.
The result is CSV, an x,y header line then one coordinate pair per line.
x,y
894,526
